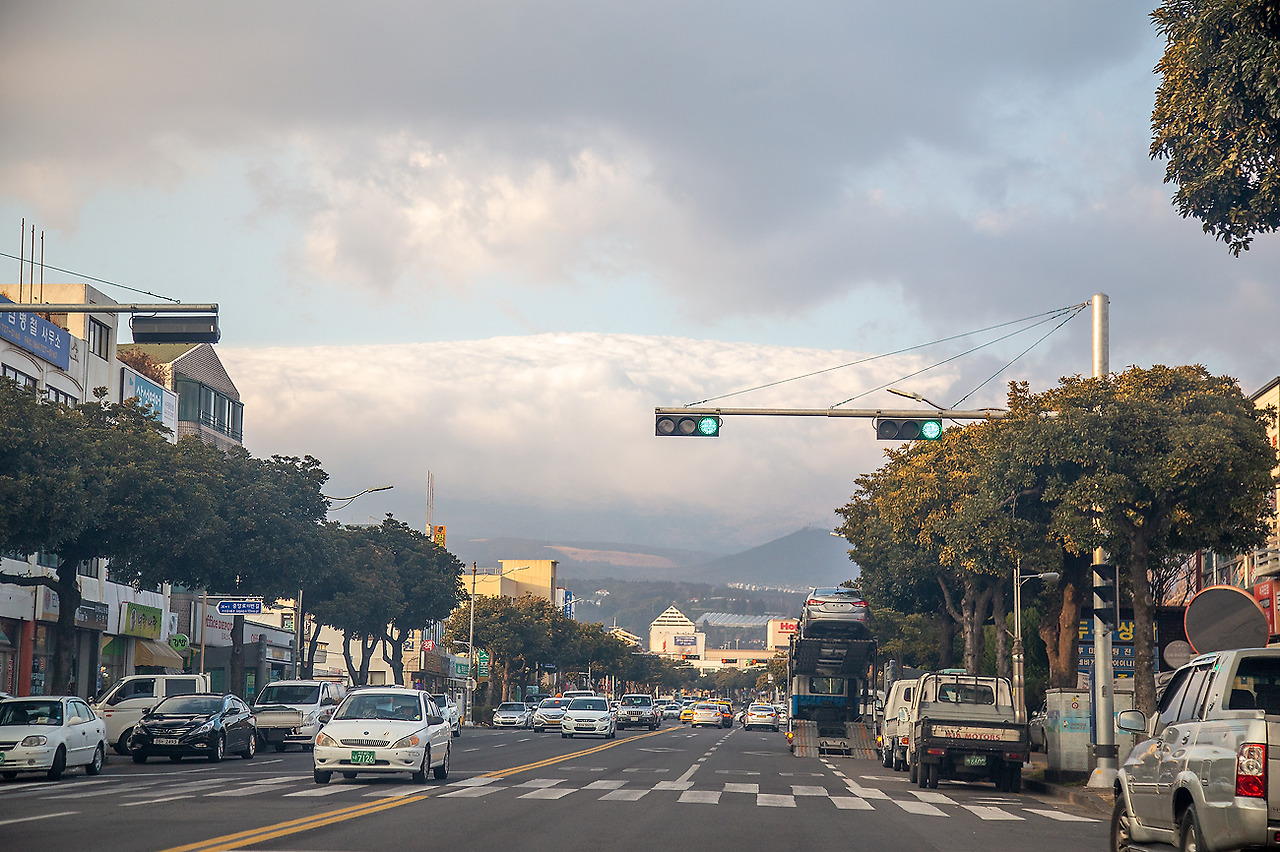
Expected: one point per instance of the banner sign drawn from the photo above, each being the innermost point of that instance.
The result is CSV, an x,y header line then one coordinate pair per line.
x,y
36,335
140,620
684,640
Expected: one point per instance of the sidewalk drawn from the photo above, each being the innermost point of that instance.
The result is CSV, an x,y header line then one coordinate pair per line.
x,y
1100,801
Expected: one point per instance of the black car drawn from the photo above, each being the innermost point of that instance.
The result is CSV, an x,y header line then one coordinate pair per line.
x,y
203,725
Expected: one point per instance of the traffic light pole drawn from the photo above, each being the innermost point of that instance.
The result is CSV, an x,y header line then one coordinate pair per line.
x,y
872,413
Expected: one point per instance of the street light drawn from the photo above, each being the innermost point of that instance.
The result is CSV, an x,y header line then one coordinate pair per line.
x,y
345,500
917,397
1019,670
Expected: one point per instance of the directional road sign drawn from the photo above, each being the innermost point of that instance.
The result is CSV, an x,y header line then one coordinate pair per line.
x,y
243,606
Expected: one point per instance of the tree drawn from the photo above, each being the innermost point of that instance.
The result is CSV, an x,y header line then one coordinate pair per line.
x,y
1217,114
93,481
1159,462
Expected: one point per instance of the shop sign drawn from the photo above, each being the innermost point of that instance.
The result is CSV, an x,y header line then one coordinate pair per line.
x,y
90,614
37,335
482,664
179,642
684,640
140,620
461,669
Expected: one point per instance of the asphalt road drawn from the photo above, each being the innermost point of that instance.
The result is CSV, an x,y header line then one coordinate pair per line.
x,y
672,789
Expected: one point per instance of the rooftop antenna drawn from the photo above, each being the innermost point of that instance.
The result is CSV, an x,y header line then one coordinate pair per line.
x,y
431,501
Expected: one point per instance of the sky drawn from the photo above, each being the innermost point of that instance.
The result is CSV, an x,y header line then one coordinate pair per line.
x,y
478,242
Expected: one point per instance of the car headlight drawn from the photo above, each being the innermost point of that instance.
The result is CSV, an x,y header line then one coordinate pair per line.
x,y
203,729
406,742
35,740
325,741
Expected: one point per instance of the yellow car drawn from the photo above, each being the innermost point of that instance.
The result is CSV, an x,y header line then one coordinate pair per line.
x,y
686,713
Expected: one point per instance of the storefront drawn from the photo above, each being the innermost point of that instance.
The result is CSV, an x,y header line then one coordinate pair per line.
x,y
10,636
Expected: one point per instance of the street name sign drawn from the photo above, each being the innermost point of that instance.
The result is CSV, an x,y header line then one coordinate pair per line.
x,y
240,607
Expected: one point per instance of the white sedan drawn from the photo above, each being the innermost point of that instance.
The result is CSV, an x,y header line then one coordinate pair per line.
x,y
381,731
49,733
589,716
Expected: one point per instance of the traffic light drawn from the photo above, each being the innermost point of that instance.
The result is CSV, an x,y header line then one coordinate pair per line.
x,y
1106,595
908,429
687,425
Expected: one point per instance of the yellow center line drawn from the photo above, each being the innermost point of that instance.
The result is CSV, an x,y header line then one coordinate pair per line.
x,y
296,826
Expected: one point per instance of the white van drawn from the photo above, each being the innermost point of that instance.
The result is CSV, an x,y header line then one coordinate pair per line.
x,y
124,702
893,733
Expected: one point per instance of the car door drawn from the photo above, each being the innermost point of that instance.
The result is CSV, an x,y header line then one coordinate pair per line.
x,y
437,734
236,715
74,738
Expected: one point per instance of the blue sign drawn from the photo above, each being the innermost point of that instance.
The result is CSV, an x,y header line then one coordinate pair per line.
x,y
36,335
568,603
239,607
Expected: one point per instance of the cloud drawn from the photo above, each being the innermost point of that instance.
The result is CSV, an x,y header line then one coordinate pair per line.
x,y
552,435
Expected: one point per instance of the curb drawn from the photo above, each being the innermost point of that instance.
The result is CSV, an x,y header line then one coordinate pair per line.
x,y
1099,801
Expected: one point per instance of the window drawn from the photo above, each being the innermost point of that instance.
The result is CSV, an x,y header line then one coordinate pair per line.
x,y
88,568
58,397
1172,698
198,403
19,378
181,686
1195,685
826,686
48,560
142,688
99,339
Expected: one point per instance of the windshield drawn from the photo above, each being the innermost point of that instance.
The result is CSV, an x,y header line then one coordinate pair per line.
x,y
278,693
597,704
194,705
512,707
636,701
553,703
43,712
404,708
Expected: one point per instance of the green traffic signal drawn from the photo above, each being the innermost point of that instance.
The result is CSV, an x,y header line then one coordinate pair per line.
x,y
687,426
908,429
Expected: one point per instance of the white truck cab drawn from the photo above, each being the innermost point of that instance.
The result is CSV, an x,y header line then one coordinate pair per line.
x,y
124,702
294,711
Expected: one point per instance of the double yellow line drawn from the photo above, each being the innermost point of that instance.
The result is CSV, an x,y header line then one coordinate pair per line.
x,y
296,826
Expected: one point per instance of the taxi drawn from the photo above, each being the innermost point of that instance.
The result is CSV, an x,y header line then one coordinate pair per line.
x,y
686,712
726,713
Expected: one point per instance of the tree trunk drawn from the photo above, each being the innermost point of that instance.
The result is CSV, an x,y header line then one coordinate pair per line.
x,y
1060,626
395,657
1144,646
946,642
506,678
237,656
58,681
346,656
1004,664
313,648
367,646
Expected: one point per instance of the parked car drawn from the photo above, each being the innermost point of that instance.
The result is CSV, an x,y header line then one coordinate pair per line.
x,y
293,711
550,713
48,734
589,716
838,611
639,710
384,730
706,713
122,704
202,725
1201,779
1039,737
450,710
760,716
512,714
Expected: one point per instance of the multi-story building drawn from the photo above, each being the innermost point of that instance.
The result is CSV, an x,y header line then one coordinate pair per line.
x,y
119,630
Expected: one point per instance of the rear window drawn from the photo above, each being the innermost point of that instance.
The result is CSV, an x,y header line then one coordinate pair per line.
x,y
289,694
1256,685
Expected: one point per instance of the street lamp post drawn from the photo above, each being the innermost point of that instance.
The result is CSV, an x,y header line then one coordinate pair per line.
x,y
1019,668
471,652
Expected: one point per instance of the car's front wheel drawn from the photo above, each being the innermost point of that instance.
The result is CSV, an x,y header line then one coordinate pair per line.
x,y
1119,837
420,774
59,764
322,777
218,749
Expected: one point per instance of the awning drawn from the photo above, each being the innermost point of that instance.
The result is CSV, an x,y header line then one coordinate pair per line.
x,y
148,652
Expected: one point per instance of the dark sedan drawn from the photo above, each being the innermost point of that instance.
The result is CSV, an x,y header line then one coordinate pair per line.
x,y
835,612
208,726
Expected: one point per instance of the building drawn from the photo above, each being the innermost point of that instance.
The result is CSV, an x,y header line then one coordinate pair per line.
x,y
120,630
516,578
674,636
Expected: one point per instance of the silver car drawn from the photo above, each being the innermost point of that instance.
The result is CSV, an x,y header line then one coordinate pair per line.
x,y
838,611
513,714
550,713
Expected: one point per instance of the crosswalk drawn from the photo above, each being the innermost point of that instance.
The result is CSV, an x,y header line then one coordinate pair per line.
x,y
848,794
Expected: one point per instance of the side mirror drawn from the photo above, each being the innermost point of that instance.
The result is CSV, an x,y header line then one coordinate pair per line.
x,y
435,720
1132,721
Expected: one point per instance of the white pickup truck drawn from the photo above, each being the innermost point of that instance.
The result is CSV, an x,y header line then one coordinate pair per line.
x,y
122,704
294,711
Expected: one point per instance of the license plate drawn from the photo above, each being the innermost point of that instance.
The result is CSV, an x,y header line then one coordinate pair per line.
x,y
362,757
975,760
166,740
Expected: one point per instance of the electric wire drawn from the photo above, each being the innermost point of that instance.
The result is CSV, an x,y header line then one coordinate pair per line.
x,y
1019,355
90,277
1047,316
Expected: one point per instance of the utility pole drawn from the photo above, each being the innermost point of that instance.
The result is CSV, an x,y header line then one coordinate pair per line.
x,y
471,652
1104,775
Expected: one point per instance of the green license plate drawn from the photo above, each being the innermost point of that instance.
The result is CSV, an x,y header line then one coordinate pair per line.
x,y
973,760
362,757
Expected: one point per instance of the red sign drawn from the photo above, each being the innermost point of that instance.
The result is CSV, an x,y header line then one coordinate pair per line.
x,y
1265,596
428,644
788,626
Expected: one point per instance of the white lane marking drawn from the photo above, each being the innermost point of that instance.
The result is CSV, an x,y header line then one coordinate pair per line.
x,y
320,791
730,787
548,793
525,740
805,790
775,800
1059,815
700,797
932,798
673,785
41,816
502,745
190,787
735,772
472,792
477,781
153,801
623,795
921,808
396,793
866,792
539,783
990,813
646,769
604,785
851,803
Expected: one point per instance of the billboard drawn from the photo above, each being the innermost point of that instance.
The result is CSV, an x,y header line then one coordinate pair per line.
x,y
37,335
684,640
162,402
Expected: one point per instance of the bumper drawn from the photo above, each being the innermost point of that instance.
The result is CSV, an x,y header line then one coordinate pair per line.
x,y
342,759
33,759
509,723
183,747
585,727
